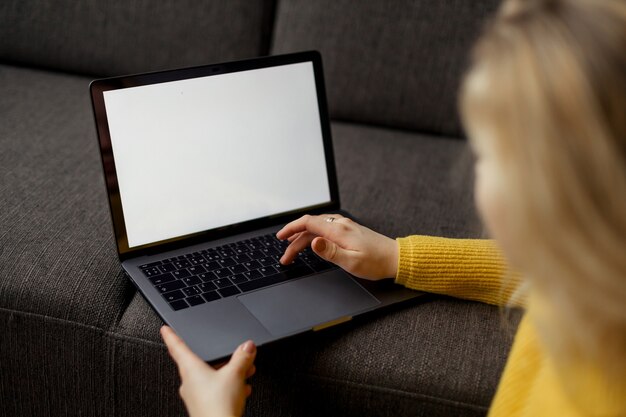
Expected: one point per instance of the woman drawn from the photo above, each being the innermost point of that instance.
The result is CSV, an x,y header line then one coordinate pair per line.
x,y
544,105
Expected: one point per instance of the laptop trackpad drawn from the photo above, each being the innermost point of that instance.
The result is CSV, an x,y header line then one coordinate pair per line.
x,y
307,302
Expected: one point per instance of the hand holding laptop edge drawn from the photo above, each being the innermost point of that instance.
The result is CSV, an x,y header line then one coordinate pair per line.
x,y
208,391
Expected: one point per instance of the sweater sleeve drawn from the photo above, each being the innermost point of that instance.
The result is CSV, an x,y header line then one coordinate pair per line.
x,y
472,269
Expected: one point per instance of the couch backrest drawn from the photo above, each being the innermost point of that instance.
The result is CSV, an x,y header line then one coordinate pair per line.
x,y
395,63
113,37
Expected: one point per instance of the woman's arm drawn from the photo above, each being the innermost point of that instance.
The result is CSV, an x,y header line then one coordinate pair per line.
x,y
472,269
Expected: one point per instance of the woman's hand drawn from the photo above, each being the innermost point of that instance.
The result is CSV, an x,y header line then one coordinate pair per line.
x,y
355,248
206,391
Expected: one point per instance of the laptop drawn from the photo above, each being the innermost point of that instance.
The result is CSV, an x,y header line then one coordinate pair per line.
x,y
203,166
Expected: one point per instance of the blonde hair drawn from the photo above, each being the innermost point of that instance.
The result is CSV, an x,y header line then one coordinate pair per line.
x,y
548,83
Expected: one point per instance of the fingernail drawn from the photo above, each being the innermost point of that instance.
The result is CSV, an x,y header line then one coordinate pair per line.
x,y
321,246
248,347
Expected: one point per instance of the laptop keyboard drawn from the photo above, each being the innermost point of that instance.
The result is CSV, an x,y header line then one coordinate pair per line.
x,y
208,275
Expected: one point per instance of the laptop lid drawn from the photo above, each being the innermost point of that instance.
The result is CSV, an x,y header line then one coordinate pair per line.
x,y
196,154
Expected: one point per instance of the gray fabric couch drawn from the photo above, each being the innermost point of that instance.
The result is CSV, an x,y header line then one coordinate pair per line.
x,y
75,336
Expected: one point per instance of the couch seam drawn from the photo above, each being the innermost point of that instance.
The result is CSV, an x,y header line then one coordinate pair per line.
x,y
130,292
273,16
429,398
105,332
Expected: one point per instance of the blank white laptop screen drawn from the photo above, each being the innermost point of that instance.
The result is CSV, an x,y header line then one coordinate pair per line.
x,y
202,153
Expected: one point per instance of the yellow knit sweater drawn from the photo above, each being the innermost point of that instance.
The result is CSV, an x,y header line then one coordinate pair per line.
x,y
533,383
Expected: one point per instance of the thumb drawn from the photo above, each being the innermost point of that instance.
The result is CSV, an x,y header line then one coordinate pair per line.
x,y
330,251
242,358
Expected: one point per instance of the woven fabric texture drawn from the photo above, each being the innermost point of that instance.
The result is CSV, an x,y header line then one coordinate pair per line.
x,y
393,63
117,37
57,252
402,183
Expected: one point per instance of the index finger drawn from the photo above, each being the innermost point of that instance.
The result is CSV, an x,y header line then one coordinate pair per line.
x,y
313,224
180,352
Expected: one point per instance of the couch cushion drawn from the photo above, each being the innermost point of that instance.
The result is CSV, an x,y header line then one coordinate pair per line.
x,y
116,37
402,183
394,63
57,252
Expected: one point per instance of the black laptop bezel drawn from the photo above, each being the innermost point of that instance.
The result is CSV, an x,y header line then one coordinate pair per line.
x,y
97,89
